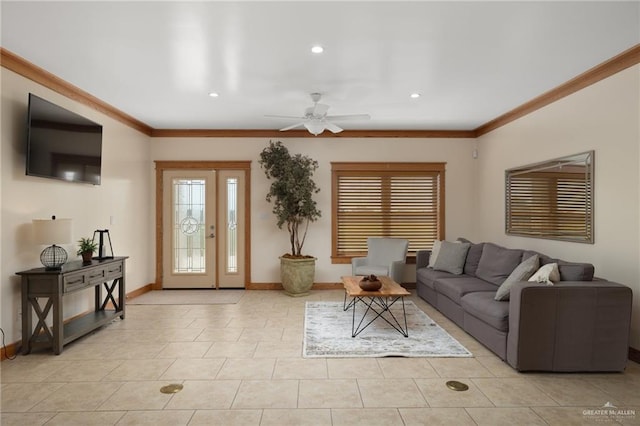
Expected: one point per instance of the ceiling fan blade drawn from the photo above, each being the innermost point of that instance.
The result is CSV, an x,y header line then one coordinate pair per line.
x,y
293,126
348,117
332,127
289,117
315,126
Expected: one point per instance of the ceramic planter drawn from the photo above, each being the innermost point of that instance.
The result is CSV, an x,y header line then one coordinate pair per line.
x,y
297,275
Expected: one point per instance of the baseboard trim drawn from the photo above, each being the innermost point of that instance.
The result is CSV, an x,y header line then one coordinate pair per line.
x,y
278,286
140,291
10,350
634,355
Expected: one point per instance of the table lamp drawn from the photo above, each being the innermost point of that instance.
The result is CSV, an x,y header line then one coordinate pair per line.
x,y
52,231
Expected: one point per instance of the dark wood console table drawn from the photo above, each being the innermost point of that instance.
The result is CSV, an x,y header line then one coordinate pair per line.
x,y
40,283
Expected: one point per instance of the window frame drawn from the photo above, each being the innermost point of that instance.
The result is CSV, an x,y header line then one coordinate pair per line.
x,y
368,169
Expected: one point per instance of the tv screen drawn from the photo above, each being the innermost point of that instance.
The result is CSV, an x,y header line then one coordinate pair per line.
x,y
61,144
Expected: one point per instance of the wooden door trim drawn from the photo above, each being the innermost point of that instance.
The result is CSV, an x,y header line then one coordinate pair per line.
x,y
161,167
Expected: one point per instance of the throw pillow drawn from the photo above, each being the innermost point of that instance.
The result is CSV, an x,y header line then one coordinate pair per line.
x,y
547,274
451,257
522,273
434,253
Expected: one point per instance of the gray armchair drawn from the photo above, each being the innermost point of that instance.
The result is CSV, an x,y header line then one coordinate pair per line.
x,y
385,256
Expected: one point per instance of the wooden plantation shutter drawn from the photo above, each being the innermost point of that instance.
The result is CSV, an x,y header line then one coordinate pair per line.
x,y
554,200
399,200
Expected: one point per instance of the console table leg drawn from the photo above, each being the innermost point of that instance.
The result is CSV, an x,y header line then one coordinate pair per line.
x,y
121,297
26,322
58,325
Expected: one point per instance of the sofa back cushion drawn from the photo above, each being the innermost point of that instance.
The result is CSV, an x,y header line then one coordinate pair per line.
x,y
473,256
569,271
473,259
497,263
544,259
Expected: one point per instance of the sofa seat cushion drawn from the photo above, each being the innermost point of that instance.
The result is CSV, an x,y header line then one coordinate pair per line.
x,y
483,306
428,276
497,263
455,288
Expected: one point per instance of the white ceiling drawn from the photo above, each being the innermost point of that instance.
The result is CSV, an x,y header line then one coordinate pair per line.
x,y
470,61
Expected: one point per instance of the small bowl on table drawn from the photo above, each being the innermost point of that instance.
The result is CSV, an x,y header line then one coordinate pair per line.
x,y
370,283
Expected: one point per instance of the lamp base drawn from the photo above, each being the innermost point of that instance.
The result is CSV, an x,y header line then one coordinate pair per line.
x,y
53,257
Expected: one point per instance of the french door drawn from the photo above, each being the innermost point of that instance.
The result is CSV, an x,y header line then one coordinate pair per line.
x,y
203,228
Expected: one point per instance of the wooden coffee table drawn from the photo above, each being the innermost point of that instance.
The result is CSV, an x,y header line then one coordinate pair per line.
x,y
379,302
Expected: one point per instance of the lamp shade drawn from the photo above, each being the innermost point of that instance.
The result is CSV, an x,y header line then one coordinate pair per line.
x,y
52,231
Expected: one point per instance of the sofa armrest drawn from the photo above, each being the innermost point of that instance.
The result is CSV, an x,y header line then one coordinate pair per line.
x,y
396,269
422,258
569,326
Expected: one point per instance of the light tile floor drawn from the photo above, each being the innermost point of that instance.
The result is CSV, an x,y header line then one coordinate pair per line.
x,y
241,364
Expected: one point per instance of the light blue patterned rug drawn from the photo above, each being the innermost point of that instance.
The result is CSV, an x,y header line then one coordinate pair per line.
x,y
327,334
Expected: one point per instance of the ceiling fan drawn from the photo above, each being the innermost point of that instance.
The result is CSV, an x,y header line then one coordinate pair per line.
x,y
316,120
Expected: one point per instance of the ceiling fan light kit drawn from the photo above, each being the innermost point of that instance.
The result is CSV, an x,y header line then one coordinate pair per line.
x,y
316,120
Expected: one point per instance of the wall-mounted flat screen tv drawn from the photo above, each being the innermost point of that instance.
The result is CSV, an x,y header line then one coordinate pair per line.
x,y
62,144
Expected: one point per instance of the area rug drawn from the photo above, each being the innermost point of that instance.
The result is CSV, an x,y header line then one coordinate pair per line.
x,y
187,297
327,334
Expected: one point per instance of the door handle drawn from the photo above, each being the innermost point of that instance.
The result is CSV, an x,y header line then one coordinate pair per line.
x,y
211,235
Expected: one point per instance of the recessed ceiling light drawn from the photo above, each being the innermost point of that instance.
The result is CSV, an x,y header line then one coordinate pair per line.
x,y
415,95
317,49
214,94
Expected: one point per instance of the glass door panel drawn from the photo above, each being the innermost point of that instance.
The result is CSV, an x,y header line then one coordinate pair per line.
x,y
231,212
189,249
189,237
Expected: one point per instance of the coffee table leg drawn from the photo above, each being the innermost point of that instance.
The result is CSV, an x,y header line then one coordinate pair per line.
x,y
385,307
353,318
355,330
346,306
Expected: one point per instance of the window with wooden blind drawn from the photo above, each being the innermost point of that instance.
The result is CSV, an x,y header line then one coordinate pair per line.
x,y
398,200
553,199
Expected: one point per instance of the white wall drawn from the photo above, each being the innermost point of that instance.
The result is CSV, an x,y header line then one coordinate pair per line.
x,y
603,117
125,194
268,242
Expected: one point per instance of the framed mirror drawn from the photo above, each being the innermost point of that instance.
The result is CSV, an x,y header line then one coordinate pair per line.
x,y
552,199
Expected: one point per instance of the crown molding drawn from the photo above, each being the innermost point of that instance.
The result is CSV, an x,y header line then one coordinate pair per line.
x,y
618,63
32,72
608,68
270,133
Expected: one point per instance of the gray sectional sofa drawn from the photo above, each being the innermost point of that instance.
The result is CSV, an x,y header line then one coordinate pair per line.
x,y
577,324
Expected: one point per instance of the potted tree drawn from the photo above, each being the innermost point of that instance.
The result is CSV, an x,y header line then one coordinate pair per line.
x,y
86,248
291,193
